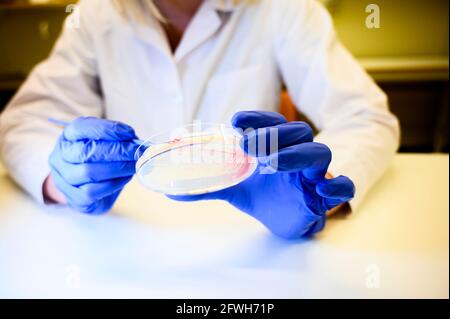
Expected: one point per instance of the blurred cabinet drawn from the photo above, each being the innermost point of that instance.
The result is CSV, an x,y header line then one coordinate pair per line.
x,y
408,28
422,108
408,57
27,34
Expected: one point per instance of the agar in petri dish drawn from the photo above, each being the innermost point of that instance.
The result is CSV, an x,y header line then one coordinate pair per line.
x,y
192,160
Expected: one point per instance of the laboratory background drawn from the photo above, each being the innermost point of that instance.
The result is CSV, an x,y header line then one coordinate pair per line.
x,y
395,246
407,55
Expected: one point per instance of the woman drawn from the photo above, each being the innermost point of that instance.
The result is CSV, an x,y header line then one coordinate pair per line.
x,y
160,64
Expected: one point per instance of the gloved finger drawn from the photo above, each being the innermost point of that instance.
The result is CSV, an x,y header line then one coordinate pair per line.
x,y
312,159
265,141
90,193
70,192
97,191
256,119
90,151
79,174
100,207
91,128
219,195
336,191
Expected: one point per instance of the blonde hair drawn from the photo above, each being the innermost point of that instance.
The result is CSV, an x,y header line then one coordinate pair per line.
x,y
140,10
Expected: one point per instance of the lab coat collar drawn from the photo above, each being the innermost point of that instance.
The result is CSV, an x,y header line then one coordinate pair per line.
x,y
204,25
206,22
225,5
152,34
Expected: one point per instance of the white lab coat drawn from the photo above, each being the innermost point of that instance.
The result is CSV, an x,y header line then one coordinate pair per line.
x,y
229,60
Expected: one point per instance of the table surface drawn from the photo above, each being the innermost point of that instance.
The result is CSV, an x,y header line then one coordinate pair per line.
x,y
395,246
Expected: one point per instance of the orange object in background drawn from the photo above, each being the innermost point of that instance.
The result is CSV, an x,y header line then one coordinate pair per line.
x,y
287,107
289,110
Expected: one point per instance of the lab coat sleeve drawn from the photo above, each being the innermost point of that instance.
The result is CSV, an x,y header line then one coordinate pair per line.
x,y
63,87
336,94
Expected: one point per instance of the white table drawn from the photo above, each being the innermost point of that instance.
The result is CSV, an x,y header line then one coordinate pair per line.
x,y
397,245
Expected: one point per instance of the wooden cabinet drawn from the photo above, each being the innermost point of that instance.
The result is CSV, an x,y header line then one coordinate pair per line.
x,y
421,106
27,34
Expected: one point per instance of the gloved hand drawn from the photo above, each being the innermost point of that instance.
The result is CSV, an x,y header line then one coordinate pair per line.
x,y
92,161
293,201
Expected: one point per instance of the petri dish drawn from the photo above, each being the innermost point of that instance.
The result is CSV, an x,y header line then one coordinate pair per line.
x,y
194,159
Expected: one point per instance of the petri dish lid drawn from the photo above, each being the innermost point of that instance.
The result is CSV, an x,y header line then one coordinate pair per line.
x,y
194,159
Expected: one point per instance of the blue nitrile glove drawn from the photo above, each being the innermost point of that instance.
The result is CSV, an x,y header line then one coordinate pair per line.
x,y
293,201
92,161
